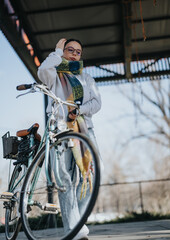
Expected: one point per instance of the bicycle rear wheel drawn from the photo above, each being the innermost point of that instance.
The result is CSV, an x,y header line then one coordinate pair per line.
x,y
12,215
59,211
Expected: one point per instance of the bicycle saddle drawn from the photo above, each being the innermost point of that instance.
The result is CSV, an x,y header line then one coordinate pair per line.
x,y
32,130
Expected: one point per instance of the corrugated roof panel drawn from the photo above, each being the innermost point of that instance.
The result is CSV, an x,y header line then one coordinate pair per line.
x,y
110,33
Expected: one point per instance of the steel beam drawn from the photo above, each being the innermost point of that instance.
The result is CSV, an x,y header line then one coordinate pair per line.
x,y
73,7
105,25
120,59
137,76
112,24
23,20
49,50
127,34
11,33
153,19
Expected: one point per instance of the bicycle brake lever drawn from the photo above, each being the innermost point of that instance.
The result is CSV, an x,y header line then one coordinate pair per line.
x,y
31,91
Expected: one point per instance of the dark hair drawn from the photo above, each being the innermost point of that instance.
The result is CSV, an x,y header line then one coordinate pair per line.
x,y
73,40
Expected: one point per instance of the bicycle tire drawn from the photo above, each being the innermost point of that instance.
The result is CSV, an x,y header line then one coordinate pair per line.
x,y
26,208
12,218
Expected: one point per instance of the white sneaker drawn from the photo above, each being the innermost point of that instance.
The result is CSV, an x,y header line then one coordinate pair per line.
x,y
82,234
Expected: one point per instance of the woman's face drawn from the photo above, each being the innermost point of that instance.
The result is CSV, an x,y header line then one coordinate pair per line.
x,y
72,51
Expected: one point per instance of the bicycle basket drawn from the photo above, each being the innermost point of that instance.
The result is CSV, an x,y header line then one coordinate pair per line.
x,y
10,146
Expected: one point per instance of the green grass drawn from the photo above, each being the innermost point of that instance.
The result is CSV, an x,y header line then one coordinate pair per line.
x,y
41,221
136,217
2,229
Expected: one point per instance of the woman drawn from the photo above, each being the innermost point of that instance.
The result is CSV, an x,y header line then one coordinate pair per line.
x,y
62,72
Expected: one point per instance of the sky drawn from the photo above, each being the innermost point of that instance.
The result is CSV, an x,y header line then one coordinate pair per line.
x,y
16,114
114,124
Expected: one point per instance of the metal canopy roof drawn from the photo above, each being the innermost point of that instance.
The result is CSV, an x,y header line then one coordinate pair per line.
x,y
112,31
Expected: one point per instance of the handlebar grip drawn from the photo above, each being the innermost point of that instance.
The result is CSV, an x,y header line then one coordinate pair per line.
x,y
24,87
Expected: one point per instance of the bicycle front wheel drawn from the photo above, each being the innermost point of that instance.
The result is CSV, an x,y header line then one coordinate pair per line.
x,y
12,215
60,210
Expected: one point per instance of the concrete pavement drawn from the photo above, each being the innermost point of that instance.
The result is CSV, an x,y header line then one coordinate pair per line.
x,y
150,230
155,230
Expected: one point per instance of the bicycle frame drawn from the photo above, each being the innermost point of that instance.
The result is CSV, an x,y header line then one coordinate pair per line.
x,y
48,137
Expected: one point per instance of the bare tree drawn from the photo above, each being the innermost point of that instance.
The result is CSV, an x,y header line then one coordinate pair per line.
x,y
153,107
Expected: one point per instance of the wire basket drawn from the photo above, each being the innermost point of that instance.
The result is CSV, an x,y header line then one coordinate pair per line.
x,y
10,146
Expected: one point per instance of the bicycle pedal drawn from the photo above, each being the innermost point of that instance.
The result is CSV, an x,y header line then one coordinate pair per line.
x,y
51,208
6,196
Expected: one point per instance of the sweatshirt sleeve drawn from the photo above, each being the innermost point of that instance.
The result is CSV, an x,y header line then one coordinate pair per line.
x,y
93,105
47,71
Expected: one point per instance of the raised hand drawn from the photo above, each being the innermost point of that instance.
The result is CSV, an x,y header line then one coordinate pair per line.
x,y
61,43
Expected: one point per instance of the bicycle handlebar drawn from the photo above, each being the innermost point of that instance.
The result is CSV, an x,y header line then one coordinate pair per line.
x,y
24,87
46,91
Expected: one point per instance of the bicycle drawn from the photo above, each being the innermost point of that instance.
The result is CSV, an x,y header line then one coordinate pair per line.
x,y
45,185
22,150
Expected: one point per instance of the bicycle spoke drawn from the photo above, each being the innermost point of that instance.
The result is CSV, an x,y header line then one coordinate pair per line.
x,y
44,209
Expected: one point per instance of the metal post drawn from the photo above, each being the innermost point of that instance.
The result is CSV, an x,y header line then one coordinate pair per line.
x,y
127,32
141,197
50,196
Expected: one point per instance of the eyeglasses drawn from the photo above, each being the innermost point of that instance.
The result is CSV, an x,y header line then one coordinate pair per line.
x,y
72,50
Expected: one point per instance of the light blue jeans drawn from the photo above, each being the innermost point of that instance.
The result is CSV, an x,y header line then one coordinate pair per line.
x,y
72,207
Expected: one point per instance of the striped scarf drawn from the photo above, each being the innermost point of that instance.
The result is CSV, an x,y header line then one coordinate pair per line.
x,y
73,92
